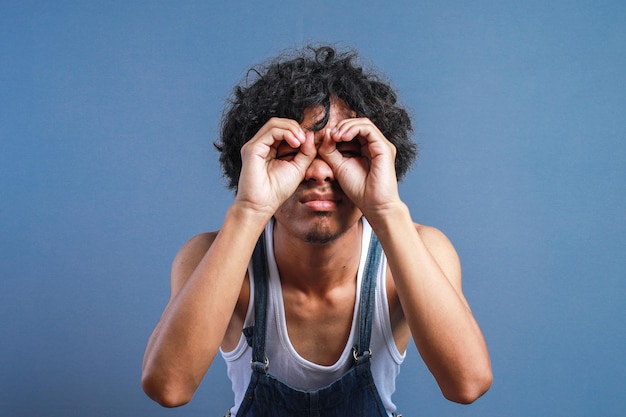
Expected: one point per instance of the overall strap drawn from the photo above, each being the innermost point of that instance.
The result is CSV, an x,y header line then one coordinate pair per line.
x,y
362,351
260,270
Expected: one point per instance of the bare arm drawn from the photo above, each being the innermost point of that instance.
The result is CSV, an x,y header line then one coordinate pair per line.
x,y
427,276
205,291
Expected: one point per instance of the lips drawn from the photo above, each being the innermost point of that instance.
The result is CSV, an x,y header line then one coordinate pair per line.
x,y
319,201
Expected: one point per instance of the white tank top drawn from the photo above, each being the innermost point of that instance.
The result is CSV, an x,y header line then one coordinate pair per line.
x,y
287,365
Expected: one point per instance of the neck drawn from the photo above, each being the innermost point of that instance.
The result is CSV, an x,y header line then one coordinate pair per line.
x,y
317,267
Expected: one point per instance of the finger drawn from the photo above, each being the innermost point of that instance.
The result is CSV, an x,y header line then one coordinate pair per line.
x,y
292,132
306,152
328,149
294,136
371,138
348,129
281,129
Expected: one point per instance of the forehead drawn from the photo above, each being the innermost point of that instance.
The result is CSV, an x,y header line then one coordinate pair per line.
x,y
339,110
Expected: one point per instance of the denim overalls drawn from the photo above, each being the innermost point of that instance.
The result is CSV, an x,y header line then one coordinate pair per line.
x,y
352,395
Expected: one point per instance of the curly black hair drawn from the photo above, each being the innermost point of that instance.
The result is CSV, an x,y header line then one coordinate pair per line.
x,y
287,85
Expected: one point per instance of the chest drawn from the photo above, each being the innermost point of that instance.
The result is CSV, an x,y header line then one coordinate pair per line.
x,y
318,328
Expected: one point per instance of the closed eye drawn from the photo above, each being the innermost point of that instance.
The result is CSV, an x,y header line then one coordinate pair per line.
x,y
350,149
286,152
286,156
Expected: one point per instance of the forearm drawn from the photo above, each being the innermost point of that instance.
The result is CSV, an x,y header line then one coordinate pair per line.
x,y
193,325
441,322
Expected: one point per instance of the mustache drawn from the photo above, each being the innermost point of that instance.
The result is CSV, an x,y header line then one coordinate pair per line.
x,y
329,188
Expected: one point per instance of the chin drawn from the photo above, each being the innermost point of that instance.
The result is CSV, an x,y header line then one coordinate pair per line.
x,y
316,228
322,232
320,238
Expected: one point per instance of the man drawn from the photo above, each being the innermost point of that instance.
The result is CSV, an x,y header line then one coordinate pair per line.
x,y
318,321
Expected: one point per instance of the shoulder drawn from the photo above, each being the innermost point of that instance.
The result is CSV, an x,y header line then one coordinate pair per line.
x,y
437,245
196,246
443,252
188,258
435,239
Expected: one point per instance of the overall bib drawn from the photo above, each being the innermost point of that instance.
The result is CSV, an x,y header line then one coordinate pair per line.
x,y
352,395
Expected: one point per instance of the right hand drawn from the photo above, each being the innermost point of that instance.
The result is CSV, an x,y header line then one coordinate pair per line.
x,y
265,181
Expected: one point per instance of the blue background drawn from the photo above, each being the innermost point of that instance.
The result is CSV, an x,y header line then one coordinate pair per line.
x,y
107,114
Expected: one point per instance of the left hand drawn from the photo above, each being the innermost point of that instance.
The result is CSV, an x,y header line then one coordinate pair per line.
x,y
367,176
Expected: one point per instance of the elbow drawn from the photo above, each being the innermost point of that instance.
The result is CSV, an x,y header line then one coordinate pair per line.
x,y
163,392
471,389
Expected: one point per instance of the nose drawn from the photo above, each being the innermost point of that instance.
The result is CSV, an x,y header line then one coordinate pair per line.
x,y
319,172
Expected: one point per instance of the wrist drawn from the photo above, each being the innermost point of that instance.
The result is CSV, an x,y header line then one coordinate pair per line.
x,y
250,216
388,217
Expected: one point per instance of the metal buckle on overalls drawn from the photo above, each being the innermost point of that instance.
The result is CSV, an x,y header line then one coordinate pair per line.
x,y
366,354
260,366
